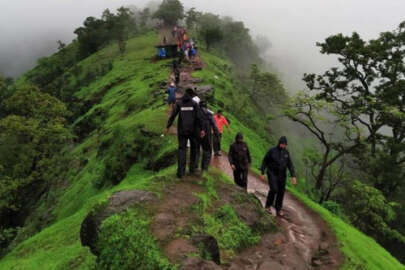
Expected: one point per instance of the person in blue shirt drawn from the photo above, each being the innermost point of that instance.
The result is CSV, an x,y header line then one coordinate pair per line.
x,y
172,95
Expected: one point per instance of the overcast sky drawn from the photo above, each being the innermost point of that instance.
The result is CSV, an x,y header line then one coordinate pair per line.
x,y
29,29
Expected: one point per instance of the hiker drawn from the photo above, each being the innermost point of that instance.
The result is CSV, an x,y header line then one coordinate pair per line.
x,y
162,53
177,76
221,121
276,162
174,32
188,128
172,95
196,98
239,159
208,126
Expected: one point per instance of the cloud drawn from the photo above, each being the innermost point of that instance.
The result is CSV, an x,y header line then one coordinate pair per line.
x,y
29,29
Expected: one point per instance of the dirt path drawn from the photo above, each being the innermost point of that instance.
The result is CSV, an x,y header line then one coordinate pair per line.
x,y
306,241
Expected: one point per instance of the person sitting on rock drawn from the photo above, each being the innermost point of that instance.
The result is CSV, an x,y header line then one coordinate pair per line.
x,y
240,160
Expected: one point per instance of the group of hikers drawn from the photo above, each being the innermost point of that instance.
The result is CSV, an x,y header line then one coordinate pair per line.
x,y
185,45
200,129
198,125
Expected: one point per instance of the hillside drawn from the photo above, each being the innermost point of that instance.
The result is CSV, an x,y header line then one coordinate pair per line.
x,y
118,119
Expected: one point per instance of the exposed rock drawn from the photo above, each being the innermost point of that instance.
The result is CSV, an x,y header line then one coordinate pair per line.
x,y
209,247
117,203
271,265
195,263
179,249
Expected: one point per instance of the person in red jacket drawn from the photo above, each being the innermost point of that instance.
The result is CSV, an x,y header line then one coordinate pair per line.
x,y
221,122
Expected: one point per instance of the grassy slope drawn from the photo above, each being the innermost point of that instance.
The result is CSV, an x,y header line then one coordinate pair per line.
x,y
58,246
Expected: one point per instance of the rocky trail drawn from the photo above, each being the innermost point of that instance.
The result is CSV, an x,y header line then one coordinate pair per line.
x,y
305,240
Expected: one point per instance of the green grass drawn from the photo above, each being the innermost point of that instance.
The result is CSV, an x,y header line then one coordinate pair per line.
x,y
127,105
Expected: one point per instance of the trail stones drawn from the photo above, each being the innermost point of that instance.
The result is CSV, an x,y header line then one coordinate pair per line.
x,y
117,203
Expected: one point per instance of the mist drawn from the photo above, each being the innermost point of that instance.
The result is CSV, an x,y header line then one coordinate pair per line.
x,y
29,29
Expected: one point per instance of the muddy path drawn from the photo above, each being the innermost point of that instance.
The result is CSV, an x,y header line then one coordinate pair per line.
x,y
305,242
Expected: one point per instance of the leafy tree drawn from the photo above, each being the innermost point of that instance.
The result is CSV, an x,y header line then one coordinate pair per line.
x,y
369,210
192,17
209,29
335,132
92,36
368,89
266,88
170,11
32,133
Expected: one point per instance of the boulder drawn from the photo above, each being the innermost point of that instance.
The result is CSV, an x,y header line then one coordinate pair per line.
x,y
117,203
208,246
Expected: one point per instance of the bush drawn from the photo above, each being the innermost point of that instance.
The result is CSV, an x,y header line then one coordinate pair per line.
x,y
229,230
126,243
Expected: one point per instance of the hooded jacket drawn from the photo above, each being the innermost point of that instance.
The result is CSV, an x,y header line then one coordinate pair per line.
x,y
190,119
277,160
239,154
208,121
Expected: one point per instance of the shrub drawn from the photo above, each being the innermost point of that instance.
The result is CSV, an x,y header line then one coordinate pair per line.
x,y
126,243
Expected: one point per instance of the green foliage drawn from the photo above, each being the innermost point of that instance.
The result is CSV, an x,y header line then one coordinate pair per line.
x,y
209,29
369,210
170,11
230,232
360,251
30,135
96,33
126,243
266,89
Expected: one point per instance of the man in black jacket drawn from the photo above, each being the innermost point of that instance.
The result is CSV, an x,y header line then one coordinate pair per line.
x,y
239,158
276,162
208,125
188,128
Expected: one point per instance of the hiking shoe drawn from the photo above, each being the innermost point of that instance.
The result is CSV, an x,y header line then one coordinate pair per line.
x,y
279,214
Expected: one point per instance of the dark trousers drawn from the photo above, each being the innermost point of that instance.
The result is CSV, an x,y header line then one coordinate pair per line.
x,y
206,145
277,190
182,155
241,176
217,143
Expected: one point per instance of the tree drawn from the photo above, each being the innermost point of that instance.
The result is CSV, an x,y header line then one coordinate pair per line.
x,y
30,135
335,132
192,17
368,89
209,29
266,88
170,11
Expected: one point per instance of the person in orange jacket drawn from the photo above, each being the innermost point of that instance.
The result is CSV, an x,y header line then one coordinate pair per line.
x,y
221,122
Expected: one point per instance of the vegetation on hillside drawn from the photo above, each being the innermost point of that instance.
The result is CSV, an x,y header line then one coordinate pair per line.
x,y
87,122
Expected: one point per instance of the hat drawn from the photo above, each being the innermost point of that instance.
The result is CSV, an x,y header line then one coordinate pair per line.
x,y
283,140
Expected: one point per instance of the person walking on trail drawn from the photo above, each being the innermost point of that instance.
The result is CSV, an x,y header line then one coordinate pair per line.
x,y
172,95
208,125
188,128
221,122
177,75
276,162
240,160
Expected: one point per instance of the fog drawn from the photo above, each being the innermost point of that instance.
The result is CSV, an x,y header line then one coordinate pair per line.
x,y
29,29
